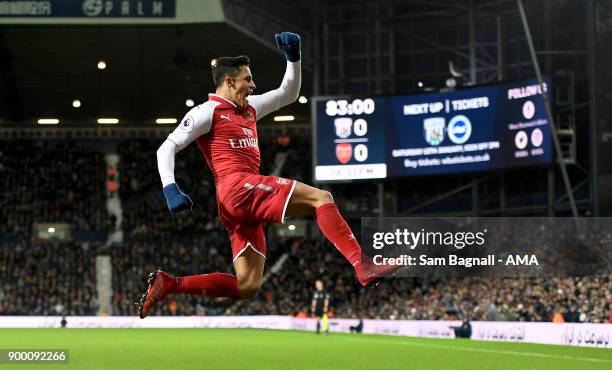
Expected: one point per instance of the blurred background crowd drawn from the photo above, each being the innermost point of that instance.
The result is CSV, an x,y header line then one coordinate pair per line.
x,y
63,182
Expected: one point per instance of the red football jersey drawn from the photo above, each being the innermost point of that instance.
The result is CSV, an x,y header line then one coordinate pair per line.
x,y
231,144
226,135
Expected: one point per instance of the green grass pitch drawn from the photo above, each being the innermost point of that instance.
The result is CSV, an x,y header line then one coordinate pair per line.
x,y
267,349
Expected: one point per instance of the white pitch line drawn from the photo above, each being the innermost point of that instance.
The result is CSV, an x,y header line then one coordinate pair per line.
x,y
495,351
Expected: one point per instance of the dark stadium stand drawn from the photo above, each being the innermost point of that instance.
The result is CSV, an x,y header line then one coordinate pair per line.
x,y
54,279
145,215
51,181
288,291
47,279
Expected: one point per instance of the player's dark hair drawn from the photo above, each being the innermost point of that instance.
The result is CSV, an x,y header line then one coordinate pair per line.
x,y
227,66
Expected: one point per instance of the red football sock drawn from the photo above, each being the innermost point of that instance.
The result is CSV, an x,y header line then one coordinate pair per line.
x,y
337,231
216,284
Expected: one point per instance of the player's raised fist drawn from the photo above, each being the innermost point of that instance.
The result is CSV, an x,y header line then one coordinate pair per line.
x,y
289,43
177,200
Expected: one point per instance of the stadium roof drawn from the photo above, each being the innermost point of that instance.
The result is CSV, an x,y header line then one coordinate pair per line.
x,y
151,70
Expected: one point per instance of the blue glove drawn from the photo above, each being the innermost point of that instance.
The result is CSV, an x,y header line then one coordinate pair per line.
x,y
177,200
289,43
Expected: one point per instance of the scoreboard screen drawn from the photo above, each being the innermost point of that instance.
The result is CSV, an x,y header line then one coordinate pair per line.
x,y
473,129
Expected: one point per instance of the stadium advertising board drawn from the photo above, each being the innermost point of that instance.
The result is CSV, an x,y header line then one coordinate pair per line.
x,y
570,334
474,129
89,8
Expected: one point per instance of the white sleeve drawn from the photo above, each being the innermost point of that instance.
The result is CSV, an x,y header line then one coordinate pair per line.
x,y
165,162
196,123
286,94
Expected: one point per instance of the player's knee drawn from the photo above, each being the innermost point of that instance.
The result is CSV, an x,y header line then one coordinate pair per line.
x,y
248,289
324,197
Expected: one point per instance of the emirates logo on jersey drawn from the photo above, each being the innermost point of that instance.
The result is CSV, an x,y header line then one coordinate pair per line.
x,y
344,152
249,141
243,142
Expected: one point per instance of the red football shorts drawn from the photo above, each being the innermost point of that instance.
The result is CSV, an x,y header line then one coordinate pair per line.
x,y
246,201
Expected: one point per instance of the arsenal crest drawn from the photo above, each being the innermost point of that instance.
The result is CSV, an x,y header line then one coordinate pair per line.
x,y
434,130
248,115
343,127
344,152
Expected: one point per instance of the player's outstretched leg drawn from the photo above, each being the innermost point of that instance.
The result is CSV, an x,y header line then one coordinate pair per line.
x,y
160,284
307,200
249,268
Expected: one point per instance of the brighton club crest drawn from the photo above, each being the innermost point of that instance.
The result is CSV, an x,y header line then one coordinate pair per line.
x,y
344,152
343,127
434,130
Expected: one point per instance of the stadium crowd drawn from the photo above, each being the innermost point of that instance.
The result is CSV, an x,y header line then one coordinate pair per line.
x,y
132,263
51,181
47,279
587,299
64,182
145,215
288,291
